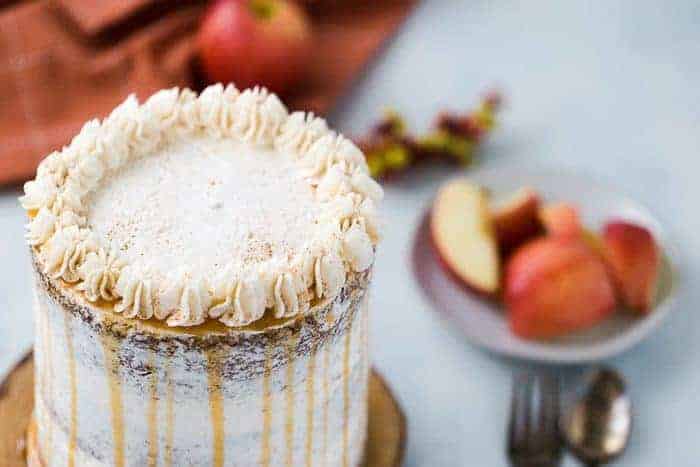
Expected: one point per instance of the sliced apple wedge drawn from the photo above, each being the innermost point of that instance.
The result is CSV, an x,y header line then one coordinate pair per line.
x,y
463,235
516,220
561,220
554,286
634,259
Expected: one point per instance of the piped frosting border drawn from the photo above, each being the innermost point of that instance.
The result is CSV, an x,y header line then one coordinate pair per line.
x,y
335,168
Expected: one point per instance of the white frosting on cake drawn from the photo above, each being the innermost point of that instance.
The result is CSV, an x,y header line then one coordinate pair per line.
x,y
206,203
214,206
102,400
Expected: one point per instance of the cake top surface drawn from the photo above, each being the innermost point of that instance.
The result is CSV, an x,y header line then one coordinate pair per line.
x,y
217,206
201,201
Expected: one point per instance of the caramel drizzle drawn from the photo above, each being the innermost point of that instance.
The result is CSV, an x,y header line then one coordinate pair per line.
x,y
266,407
326,391
169,416
46,375
346,394
153,413
111,349
289,396
49,389
366,367
365,337
216,407
42,366
310,376
49,346
72,375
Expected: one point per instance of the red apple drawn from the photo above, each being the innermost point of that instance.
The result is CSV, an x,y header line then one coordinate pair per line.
x,y
463,237
561,219
255,42
633,258
554,286
516,220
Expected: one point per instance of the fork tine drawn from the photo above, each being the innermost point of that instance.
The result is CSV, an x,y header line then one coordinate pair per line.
x,y
511,418
514,420
556,410
547,397
518,431
555,401
533,427
528,389
549,414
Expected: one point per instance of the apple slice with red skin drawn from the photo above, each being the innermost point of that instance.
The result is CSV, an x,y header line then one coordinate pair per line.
x,y
634,260
561,219
462,234
255,42
516,219
555,286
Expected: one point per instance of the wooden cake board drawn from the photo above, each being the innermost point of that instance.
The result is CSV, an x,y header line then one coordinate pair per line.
x,y
385,442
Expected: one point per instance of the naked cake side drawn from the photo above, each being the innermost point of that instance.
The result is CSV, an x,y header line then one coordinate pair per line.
x,y
201,269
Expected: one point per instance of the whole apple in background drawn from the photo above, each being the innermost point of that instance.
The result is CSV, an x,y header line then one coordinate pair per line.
x,y
255,42
634,259
555,286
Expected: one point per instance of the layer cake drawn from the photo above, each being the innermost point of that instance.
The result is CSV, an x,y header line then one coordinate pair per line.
x,y
201,269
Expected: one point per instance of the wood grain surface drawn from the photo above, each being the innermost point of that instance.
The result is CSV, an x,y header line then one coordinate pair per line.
x,y
386,436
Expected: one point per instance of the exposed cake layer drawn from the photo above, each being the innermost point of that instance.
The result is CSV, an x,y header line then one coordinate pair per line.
x,y
113,394
219,206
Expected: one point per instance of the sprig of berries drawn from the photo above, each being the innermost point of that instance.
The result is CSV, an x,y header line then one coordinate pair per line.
x,y
390,149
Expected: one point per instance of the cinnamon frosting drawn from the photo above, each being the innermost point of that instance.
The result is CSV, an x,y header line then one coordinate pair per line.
x,y
219,206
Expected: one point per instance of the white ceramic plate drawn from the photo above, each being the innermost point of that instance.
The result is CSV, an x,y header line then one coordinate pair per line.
x,y
483,322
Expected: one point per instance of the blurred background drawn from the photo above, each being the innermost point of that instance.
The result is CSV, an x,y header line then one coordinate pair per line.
x,y
608,89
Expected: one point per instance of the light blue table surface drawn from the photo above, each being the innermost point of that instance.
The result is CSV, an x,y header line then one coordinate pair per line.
x,y
609,87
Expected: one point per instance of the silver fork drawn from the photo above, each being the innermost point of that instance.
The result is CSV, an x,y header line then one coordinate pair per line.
x,y
533,431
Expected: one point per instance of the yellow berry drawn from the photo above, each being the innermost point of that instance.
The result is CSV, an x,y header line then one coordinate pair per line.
x,y
461,148
398,127
396,157
436,141
484,117
376,164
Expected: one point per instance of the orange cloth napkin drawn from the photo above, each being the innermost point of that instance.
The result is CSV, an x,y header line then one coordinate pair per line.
x,y
63,62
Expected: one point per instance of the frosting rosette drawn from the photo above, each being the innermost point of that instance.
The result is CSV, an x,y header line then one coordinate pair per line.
x,y
239,302
219,206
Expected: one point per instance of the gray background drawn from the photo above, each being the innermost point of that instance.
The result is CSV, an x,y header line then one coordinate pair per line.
x,y
609,87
